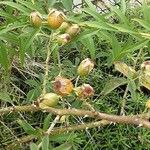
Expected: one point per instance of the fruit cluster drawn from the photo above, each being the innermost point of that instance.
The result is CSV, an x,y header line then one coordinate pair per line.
x,y
64,87
57,20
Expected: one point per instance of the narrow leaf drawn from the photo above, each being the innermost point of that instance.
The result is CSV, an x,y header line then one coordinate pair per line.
x,y
113,84
33,146
65,146
45,143
26,126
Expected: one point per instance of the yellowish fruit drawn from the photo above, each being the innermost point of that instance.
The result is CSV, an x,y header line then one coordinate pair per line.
x,y
62,86
55,18
50,100
36,19
85,67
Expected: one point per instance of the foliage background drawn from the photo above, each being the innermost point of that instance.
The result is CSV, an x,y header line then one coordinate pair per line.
x,y
115,35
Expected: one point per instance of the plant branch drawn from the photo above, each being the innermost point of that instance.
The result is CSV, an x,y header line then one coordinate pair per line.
x,y
130,119
57,130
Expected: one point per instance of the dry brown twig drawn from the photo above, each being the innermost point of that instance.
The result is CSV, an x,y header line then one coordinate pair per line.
x,y
138,120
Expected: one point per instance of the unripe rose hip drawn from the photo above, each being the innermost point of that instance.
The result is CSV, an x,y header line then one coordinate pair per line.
x,y
85,67
55,18
36,19
64,26
50,100
73,30
63,39
62,86
84,91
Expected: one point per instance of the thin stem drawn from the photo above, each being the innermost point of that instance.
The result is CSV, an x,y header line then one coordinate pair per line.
x,y
53,124
59,63
46,67
76,83
122,112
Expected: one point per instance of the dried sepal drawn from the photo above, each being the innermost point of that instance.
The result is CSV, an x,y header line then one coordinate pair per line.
x,y
84,91
62,86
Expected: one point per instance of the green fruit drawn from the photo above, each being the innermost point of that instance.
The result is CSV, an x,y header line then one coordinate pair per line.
x,y
50,100
36,19
73,30
64,26
85,67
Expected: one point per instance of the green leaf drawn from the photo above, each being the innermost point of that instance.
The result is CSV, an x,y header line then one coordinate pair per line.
x,y
33,94
87,33
33,146
46,122
26,44
135,46
98,17
17,6
113,84
65,146
4,96
121,15
30,5
97,25
51,3
45,143
7,15
143,23
55,48
11,27
4,61
26,126
122,28
67,4
89,3
89,43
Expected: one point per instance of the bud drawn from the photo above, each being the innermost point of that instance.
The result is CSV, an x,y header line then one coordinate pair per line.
x,y
84,91
85,67
63,38
49,99
55,18
63,118
148,104
36,19
73,30
62,86
145,66
64,26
